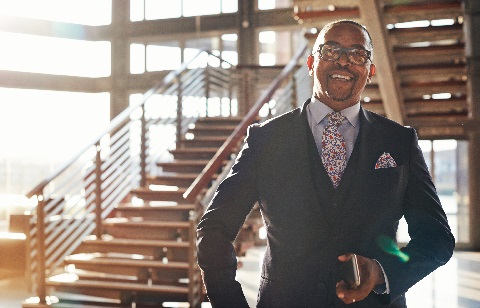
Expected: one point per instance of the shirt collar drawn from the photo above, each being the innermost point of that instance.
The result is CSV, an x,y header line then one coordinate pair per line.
x,y
319,111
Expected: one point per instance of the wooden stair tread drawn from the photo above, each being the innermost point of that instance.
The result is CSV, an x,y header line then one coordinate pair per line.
x,y
119,221
207,138
148,207
87,274
179,190
185,176
121,286
219,119
121,260
203,127
195,150
185,162
109,240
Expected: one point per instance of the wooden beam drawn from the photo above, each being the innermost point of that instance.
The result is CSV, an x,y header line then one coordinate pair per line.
x,y
387,76
22,80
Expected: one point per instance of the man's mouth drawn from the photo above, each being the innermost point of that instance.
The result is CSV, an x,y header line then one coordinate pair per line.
x,y
340,77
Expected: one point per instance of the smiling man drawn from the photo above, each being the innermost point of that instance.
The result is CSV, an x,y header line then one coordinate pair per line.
x,y
332,181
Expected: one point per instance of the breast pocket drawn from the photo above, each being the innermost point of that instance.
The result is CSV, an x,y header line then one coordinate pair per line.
x,y
386,179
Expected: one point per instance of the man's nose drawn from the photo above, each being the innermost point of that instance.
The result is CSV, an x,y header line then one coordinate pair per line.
x,y
343,59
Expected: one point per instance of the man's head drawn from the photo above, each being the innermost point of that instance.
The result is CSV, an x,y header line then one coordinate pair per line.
x,y
341,63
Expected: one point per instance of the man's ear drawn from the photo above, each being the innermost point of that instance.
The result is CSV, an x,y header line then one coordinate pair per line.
x,y
310,65
373,70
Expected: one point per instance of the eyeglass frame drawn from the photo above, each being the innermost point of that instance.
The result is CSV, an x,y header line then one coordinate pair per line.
x,y
345,50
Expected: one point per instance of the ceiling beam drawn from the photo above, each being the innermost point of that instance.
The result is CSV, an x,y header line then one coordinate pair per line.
x,y
387,76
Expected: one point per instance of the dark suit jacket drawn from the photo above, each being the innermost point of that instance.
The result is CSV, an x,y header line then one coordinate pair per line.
x,y
308,228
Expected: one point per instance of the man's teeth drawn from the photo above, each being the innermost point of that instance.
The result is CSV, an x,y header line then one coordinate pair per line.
x,y
341,77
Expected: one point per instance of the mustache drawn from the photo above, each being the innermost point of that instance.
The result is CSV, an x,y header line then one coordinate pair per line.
x,y
338,69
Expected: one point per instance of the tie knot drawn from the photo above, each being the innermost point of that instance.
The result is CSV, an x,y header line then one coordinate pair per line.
x,y
335,118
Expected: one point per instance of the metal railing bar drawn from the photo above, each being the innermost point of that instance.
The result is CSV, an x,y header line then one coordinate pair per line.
x,y
55,243
125,130
123,192
199,183
119,143
59,226
110,196
62,224
59,261
113,162
81,227
116,172
118,178
114,125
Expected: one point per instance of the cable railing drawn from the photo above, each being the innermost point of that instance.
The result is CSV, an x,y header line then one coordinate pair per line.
x,y
280,96
73,201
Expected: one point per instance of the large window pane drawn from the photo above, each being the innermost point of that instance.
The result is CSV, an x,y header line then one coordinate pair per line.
x,y
156,9
85,12
274,4
204,7
58,56
161,58
45,129
137,58
447,161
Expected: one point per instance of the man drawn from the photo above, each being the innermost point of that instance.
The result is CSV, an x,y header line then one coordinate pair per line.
x,y
317,208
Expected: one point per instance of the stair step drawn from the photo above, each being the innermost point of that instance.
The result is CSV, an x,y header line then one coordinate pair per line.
x,y
120,286
180,179
122,260
160,192
150,211
220,120
146,224
136,228
173,250
194,153
108,240
184,166
204,141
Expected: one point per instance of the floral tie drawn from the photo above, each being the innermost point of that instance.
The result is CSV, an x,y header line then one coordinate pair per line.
x,y
334,153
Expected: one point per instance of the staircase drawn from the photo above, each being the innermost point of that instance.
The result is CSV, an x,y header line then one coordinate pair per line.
x,y
145,254
116,225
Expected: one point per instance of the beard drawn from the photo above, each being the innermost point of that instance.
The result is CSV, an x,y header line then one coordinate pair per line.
x,y
339,94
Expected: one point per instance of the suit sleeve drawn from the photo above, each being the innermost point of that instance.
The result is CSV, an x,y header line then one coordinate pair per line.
x,y
432,242
219,226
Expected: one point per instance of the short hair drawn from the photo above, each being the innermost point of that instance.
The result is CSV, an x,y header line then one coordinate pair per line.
x,y
345,21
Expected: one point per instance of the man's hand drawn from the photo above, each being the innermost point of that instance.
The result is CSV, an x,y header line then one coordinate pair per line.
x,y
371,275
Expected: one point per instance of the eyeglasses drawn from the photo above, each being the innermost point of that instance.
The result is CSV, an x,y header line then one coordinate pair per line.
x,y
357,56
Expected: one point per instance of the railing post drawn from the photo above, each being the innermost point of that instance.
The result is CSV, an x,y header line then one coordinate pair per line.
x,y
179,112
143,149
294,92
207,89
41,267
98,192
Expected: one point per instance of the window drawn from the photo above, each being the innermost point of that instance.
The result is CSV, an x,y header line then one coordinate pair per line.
x,y
36,146
58,56
447,161
84,12
163,57
155,9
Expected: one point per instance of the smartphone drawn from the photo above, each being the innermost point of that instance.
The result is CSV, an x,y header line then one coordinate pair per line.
x,y
351,272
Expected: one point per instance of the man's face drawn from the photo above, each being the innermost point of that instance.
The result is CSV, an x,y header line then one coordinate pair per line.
x,y
340,83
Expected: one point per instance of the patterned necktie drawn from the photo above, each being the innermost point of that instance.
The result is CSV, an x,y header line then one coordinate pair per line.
x,y
334,153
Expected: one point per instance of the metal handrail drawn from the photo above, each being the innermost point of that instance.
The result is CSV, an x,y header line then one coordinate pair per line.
x,y
73,201
232,141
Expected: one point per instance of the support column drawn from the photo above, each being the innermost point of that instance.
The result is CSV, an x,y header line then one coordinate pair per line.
x,y
472,49
247,45
120,56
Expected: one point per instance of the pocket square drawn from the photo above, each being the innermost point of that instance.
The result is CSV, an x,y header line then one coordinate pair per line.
x,y
385,161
